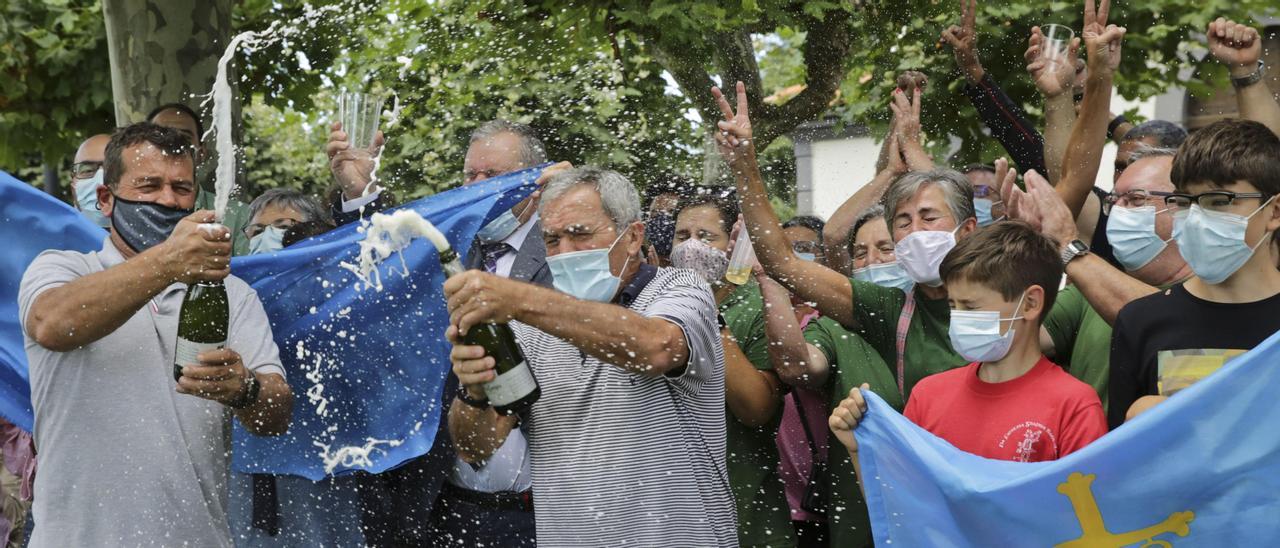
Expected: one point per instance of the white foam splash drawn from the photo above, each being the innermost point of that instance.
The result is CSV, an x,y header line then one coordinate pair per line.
x,y
387,235
351,456
225,175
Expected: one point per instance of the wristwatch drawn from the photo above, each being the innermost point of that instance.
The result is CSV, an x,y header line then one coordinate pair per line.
x,y
251,390
1246,81
1074,249
466,398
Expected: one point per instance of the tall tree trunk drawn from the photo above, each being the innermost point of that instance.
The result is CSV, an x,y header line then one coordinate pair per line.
x,y
51,178
165,51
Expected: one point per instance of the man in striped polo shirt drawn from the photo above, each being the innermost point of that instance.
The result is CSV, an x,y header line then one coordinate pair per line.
x,y
628,438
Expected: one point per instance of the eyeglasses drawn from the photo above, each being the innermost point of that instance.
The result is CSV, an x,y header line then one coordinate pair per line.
x,y
1216,200
983,191
255,229
85,170
1134,198
807,247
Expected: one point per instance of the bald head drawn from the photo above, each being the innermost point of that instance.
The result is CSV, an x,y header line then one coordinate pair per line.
x,y
93,149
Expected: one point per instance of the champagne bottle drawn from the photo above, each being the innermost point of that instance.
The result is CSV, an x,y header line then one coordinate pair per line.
x,y
514,389
202,323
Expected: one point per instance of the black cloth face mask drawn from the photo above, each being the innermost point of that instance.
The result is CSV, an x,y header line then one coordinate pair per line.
x,y
142,225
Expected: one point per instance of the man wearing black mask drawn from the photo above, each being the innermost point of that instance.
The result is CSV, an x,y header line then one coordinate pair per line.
x,y
128,455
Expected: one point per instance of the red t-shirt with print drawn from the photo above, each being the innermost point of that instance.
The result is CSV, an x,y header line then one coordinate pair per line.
x,y
1043,415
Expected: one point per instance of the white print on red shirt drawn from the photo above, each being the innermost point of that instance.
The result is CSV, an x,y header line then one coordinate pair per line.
x,y
1032,433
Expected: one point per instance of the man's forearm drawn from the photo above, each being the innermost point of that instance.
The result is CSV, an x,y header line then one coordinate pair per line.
x,y
1088,135
608,332
1105,287
271,414
91,307
1060,116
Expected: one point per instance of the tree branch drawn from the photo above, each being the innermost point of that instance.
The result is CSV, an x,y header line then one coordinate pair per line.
x,y
827,47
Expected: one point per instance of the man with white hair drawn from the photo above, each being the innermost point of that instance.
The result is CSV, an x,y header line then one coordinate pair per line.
x,y
627,441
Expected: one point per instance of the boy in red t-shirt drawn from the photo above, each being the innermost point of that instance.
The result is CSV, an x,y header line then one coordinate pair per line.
x,y
1010,403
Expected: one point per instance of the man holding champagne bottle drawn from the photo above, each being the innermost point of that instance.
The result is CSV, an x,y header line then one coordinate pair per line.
x,y
129,456
627,437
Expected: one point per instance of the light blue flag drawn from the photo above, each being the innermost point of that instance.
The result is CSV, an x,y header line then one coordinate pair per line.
x,y
31,222
1201,469
367,367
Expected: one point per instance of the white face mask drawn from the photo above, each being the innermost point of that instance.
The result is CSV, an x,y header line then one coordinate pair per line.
x,y
921,253
975,334
1132,234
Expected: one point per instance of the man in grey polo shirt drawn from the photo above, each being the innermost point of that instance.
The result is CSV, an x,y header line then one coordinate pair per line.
x,y
128,457
627,442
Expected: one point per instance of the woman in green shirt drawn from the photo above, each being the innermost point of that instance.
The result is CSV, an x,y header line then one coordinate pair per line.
x,y
753,393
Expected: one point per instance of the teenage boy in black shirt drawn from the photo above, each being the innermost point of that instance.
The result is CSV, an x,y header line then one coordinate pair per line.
x,y
1227,177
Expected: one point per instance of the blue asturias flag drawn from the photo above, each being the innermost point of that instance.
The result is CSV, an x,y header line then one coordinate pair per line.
x,y
31,222
363,364
1201,469
367,367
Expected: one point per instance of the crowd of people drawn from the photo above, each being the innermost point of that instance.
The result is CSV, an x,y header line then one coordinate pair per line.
x,y
1013,309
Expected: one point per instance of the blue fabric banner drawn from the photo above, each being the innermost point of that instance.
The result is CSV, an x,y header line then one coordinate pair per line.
x,y
367,367
1201,469
31,222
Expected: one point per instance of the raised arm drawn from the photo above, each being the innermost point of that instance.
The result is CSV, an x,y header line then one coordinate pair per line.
x,y
1089,135
797,362
1006,119
906,109
813,282
753,396
1054,74
1239,47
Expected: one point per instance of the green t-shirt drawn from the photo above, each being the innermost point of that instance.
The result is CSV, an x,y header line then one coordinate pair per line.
x,y
1081,340
235,219
928,347
763,516
852,363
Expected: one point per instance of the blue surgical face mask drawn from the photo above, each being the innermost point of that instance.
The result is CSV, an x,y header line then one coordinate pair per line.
x,y
885,275
1132,233
501,227
87,199
1212,242
586,274
807,256
269,240
982,210
975,334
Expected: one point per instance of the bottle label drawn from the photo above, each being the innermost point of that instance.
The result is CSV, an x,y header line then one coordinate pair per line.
x,y
187,351
509,387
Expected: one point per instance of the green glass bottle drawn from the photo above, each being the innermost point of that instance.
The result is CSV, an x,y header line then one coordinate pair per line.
x,y
202,323
514,389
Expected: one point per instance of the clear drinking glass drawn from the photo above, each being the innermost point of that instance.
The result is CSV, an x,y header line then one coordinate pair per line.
x,y
744,256
1057,38
360,114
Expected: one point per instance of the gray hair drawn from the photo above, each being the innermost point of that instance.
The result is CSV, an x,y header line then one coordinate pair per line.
x,y
955,187
292,199
1165,133
1147,151
531,151
619,197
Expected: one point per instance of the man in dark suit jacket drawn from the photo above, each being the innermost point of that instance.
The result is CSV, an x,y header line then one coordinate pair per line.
x,y
437,499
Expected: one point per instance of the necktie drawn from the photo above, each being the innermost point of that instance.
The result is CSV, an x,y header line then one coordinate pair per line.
x,y
492,252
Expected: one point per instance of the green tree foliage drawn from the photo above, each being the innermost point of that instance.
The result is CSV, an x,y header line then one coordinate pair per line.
x,y
55,86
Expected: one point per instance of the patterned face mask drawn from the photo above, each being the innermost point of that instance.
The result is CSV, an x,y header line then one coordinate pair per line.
x,y
696,255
